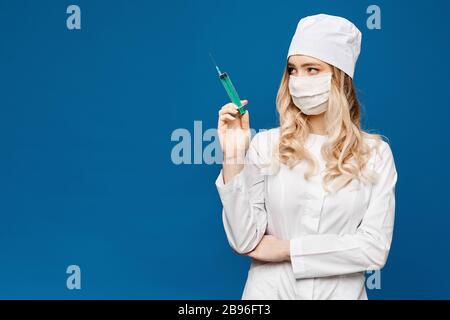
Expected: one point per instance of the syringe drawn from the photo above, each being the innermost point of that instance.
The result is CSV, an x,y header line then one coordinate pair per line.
x,y
228,85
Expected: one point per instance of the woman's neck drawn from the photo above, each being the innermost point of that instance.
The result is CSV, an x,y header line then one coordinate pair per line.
x,y
317,124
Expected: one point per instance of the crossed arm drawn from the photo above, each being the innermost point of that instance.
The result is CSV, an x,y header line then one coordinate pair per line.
x,y
318,255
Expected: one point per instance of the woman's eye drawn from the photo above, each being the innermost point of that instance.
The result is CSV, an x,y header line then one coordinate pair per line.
x,y
313,71
290,70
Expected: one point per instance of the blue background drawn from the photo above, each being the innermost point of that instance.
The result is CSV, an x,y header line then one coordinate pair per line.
x,y
86,118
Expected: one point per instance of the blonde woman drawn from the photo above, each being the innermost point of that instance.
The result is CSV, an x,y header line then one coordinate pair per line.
x,y
312,201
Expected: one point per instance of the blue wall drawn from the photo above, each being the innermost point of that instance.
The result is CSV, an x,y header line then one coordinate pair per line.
x,y
86,117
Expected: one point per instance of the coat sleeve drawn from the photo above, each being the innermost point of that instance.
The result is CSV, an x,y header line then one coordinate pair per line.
x,y
244,214
330,254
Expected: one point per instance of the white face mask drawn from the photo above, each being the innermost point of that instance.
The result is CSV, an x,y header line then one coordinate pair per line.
x,y
310,93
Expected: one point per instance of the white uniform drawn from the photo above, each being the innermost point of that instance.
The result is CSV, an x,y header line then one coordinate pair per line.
x,y
334,238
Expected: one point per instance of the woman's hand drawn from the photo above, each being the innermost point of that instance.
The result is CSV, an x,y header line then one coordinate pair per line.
x,y
272,249
234,131
234,136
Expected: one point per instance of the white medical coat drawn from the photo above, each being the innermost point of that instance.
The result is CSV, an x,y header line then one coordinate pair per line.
x,y
334,238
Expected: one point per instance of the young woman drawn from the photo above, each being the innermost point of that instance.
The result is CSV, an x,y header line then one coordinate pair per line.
x,y
312,201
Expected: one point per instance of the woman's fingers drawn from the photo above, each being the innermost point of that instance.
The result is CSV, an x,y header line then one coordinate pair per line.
x,y
230,112
228,108
245,120
226,120
226,117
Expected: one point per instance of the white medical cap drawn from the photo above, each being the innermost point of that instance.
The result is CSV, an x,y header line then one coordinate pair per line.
x,y
332,39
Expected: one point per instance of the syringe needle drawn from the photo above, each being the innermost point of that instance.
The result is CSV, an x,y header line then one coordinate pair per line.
x,y
215,64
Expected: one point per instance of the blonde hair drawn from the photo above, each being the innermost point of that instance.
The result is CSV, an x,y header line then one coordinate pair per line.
x,y
345,152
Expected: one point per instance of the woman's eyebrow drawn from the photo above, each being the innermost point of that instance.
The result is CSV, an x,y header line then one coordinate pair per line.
x,y
309,64
306,64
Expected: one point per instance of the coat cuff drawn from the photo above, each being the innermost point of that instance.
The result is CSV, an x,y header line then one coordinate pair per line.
x,y
236,182
297,260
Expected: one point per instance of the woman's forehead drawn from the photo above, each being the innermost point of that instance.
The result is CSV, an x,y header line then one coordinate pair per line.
x,y
302,59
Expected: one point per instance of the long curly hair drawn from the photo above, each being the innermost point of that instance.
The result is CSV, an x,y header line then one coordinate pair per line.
x,y
346,153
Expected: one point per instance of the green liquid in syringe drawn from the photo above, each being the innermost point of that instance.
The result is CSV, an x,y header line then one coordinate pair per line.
x,y
228,85
232,93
